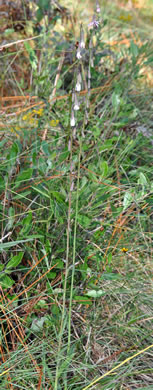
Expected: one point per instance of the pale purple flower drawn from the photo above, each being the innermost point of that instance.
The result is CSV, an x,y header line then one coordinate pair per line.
x,y
82,133
78,53
91,62
78,87
82,42
89,76
72,121
86,117
76,104
73,96
72,167
97,7
74,132
78,83
91,43
72,186
95,23
76,107
69,145
87,102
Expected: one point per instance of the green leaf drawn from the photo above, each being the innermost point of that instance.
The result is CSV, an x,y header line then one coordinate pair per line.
x,y
128,199
55,310
51,275
149,61
37,324
8,31
104,168
45,148
43,193
96,131
25,175
39,14
27,219
2,143
58,290
59,84
146,388
2,183
66,362
1,267
13,153
7,245
83,269
109,258
11,215
95,293
115,101
83,220
91,174
35,236
16,260
42,166
63,156
23,195
32,55
134,49
111,276
58,196
44,4
83,182
59,263
142,179
6,281
82,299
41,304
27,225
108,144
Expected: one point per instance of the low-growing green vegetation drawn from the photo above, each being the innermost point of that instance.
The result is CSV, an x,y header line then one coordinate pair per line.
x,y
76,189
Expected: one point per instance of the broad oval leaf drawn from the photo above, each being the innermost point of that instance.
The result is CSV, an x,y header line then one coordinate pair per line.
x,y
128,199
15,261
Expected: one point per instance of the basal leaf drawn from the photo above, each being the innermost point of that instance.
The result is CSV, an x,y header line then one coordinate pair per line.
x,y
128,199
16,260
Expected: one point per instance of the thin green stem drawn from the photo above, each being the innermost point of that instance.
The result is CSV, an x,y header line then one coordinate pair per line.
x,y
74,250
66,269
